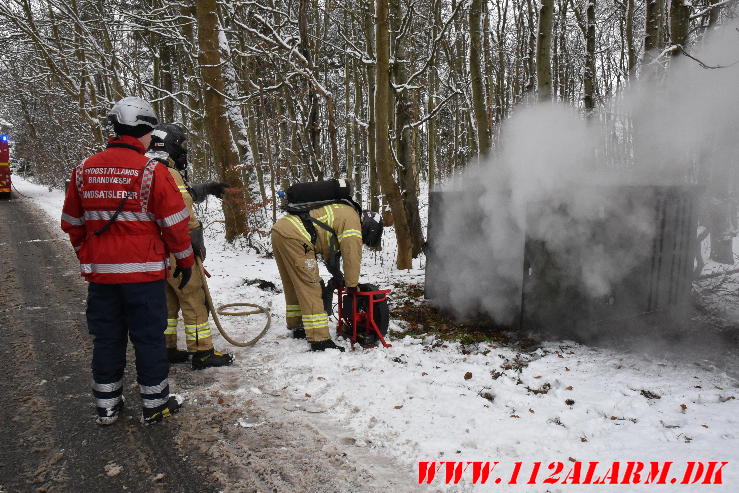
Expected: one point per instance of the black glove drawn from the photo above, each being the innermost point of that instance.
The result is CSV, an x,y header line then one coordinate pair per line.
x,y
186,274
200,191
197,241
216,189
352,289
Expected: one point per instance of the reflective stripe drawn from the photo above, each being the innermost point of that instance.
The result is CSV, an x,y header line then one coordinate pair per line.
x,y
174,218
172,321
200,331
170,331
191,327
107,403
199,335
154,389
78,178
316,325
315,321
299,225
146,178
74,221
122,216
350,232
107,387
183,253
122,268
149,403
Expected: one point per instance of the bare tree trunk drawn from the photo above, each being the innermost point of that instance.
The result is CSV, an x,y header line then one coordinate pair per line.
x,y
478,90
630,49
653,30
487,44
404,133
501,88
589,76
257,154
563,75
356,135
679,23
217,127
544,51
433,83
382,142
530,64
313,127
374,185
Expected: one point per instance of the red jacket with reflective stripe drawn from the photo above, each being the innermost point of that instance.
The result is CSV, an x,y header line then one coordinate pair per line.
x,y
151,224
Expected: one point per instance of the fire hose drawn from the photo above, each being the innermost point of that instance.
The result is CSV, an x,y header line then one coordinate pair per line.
x,y
221,311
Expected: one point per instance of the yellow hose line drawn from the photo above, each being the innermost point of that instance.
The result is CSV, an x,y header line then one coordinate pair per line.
x,y
214,312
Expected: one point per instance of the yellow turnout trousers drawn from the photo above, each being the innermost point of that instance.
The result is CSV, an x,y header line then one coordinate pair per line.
x,y
301,284
191,300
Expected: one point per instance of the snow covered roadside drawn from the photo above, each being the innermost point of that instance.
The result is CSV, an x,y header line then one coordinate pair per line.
x,y
420,401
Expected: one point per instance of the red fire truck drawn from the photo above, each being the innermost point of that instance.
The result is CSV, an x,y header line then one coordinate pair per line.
x,y
4,167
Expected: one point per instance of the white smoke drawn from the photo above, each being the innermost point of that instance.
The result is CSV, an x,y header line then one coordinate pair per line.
x,y
682,127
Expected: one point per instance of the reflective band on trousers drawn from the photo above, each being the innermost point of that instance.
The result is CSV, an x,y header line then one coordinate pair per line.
x,y
315,321
293,310
122,268
174,218
107,387
149,403
107,403
154,389
195,332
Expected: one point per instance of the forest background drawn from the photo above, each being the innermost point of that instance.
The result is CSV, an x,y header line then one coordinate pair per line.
x,y
398,95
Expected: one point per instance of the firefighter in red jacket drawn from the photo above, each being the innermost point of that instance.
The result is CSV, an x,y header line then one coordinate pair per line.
x,y
124,215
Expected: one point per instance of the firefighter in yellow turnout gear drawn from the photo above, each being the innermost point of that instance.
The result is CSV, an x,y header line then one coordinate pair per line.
x,y
295,254
167,146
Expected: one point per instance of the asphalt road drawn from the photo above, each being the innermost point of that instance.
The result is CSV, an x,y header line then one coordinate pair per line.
x,y
49,441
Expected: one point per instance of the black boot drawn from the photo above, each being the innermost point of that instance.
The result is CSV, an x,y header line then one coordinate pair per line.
x,y
109,415
298,332
210,358
175,355
323,345
156,414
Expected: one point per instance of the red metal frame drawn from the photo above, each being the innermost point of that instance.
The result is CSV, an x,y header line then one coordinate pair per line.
x,y
368,318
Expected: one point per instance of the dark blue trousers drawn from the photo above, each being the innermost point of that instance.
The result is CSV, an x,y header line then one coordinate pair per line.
x,y
115,313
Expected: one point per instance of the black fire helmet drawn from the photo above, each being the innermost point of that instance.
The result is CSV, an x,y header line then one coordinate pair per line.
x,y
170,138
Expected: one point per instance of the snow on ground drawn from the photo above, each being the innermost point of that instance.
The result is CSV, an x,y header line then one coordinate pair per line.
x,y
421,400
